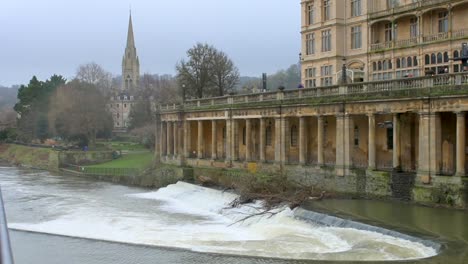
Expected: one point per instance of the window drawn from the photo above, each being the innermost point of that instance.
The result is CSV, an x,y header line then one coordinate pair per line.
x,y
324,72
356,39
392,3
356,136
326,10
125,105
439,57
409,62
310,13
355,8
415,61
443,22
293,136
388,32
446,57
413,27
389,138
310,43
268,135
427,59
326,40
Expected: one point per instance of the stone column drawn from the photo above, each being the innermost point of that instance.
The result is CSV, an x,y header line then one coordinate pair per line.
x,y
162,139
175,138
168,138
200,140
278,140
186,136
248,141
396,142
371,145
284,126
262,139
228,140
235,139
157,135
430,147
302,141
320,121
348,141
214,135
340,142
461,144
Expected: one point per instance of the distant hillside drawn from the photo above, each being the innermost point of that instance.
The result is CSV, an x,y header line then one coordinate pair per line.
x,y
8,97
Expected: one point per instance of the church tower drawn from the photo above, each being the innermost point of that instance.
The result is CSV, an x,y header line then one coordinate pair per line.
x,y
130,62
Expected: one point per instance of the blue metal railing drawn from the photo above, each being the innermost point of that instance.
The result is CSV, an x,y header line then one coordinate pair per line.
x,y
6,256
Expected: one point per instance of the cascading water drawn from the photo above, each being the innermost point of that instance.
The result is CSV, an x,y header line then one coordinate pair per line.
x,y
188,216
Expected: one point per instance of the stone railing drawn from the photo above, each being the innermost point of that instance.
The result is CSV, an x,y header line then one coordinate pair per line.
x,y
380,46
405,8
460,33
445,84
395,10
406,42
435,37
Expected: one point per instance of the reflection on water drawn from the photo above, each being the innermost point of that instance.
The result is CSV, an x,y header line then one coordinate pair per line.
x,y
181,215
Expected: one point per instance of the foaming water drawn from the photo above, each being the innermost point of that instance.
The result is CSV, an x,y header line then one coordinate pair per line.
x,y
187,216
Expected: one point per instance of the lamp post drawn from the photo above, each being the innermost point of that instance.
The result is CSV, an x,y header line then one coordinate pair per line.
x,y
183,93
344,77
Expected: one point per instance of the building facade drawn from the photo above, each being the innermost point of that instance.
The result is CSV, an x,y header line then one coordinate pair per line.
x,y
121,101
380,39
403,138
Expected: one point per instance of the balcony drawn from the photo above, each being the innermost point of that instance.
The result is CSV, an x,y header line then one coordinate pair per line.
x,y
381,46
435,37
460,33
406,43
405,8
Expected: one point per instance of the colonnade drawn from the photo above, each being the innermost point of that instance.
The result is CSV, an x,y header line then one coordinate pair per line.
x,y
259,139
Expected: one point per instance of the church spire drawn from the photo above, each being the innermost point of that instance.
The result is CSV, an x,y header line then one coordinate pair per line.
x,y
130,40
130,61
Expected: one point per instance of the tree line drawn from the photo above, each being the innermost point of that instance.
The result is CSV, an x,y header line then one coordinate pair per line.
x,y
76,110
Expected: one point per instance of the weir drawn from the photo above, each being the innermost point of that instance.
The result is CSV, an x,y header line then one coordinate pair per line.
x,y
186,216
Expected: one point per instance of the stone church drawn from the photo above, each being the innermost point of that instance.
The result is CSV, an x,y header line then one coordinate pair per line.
x,y
122,100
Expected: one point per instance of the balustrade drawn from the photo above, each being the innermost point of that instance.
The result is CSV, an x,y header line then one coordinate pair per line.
x,y
438,84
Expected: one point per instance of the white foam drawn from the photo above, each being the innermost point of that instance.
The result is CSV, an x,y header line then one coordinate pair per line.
x,y
206,224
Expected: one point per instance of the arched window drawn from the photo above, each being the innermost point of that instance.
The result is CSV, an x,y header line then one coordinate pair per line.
x,y
379,65
439,57
427,59
409,61
455,54
415,61
293,136
398,65
403,63
374,66
385,65
268,135
433,58
446,57
390,65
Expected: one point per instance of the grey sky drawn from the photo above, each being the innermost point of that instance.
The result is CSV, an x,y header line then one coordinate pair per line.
x,y
43,37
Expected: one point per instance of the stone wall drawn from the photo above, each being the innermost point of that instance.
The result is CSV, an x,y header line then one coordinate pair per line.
x,y
84,157
31,157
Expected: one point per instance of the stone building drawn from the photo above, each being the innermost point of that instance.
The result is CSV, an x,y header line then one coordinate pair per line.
x,y
121,101
380,40
402,138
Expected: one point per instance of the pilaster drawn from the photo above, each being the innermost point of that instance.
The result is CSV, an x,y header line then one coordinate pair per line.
x,y
461,143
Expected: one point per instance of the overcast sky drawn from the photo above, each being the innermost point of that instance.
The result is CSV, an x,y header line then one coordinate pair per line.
x,y
45,37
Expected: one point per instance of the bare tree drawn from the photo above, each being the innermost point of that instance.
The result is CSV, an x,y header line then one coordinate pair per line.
x,y
93,73
79,110
225,75
196,72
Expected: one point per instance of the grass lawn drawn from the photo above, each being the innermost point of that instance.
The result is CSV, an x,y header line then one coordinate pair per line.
x,y
122,145
137,161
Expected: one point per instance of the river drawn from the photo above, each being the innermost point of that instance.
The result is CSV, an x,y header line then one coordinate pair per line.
x,y
64,219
